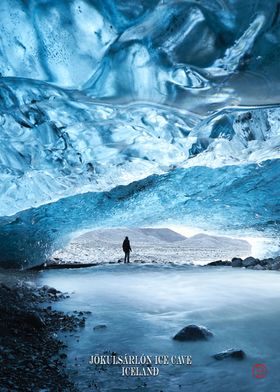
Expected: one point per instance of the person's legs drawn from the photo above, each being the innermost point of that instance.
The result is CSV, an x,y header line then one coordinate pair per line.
x,y
128,256
125,257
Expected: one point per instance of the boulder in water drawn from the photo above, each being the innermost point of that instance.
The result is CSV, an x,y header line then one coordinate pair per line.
x,y
236,262
266,262
99,327
218,263
250,262
230,353
193,332
53,291
275,266
258,267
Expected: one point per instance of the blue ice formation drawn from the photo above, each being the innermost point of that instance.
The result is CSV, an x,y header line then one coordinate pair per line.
x,y
120,112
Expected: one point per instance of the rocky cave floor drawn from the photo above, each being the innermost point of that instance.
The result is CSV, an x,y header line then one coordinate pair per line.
x,y
32,356
271,264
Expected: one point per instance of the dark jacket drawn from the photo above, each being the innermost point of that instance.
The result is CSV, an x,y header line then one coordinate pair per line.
x,y
126,245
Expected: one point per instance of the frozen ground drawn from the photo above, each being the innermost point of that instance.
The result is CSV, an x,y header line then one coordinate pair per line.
x,y
143,306
160,245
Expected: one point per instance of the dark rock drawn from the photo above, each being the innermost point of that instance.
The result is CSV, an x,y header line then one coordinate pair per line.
x,y
250,262
258,267
100,326
30,285
5,287
236,262
53,291
230,353
29,348
266,262
34,320
193,332
219,263
138,261
275,266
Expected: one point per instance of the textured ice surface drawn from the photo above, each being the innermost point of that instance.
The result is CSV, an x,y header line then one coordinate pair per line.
x,y
178,101
230,199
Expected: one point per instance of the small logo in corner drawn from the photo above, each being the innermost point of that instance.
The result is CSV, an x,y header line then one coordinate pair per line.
x,y
259,370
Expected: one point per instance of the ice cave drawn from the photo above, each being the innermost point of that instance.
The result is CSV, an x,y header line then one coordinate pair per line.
x,y
137,113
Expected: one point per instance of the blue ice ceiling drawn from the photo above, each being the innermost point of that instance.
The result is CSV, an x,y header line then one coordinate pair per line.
x,y
134,113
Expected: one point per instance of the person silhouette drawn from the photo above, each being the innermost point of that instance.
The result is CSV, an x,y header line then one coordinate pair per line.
x,y
127,249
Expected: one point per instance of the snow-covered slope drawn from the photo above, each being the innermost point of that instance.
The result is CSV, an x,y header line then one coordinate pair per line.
x,y
151,245
139,235
209,241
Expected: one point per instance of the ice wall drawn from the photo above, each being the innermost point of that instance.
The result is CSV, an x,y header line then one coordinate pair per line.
x,y
177,102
